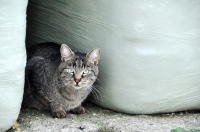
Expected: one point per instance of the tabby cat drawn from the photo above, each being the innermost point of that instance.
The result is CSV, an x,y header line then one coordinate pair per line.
x,y
58,78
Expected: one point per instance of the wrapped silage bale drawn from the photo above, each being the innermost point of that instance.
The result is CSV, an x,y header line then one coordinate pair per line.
x,y
12,60
150,49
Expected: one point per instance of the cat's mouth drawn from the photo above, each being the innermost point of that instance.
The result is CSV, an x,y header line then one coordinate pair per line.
x,y
77,86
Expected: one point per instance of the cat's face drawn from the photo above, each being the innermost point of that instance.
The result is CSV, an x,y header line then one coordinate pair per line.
x,y
78,70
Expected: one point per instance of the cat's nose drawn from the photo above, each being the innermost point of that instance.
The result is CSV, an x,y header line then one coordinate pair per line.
x,y
77,80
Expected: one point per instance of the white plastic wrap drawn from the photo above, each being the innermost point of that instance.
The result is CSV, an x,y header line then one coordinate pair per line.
x,y
12,59
150,50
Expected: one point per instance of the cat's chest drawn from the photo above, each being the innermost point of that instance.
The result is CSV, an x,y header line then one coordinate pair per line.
x,y
75,95
72,99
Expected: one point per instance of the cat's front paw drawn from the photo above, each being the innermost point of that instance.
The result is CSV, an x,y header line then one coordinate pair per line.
x,y
79,110
57,110
59,114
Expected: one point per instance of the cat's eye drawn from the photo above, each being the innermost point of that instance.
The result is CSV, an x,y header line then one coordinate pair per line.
x,y
86,71
70,70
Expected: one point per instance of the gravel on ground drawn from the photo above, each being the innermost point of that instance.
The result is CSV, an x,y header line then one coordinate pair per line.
x,y
98,119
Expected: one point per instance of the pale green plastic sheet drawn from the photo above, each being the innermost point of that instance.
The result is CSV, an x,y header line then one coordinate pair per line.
x,y
150,49
12,59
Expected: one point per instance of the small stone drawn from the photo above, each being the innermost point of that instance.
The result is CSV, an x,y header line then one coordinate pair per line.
x,y
82,128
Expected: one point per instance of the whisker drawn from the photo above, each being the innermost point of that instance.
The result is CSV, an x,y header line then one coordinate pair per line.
x,y
97,93
96,86
94,94
98,80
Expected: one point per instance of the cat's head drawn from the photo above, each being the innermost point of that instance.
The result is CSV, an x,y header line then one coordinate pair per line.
x,y
78,70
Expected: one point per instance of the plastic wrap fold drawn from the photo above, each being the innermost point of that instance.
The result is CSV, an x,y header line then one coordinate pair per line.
x,y
150,50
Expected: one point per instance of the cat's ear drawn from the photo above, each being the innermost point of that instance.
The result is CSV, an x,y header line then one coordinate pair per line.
x,y
66,53
94,56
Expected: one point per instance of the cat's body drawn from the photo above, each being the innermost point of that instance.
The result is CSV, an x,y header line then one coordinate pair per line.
x,y
58,78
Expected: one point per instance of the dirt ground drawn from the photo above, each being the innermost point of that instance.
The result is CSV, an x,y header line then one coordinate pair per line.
x,y
98,119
